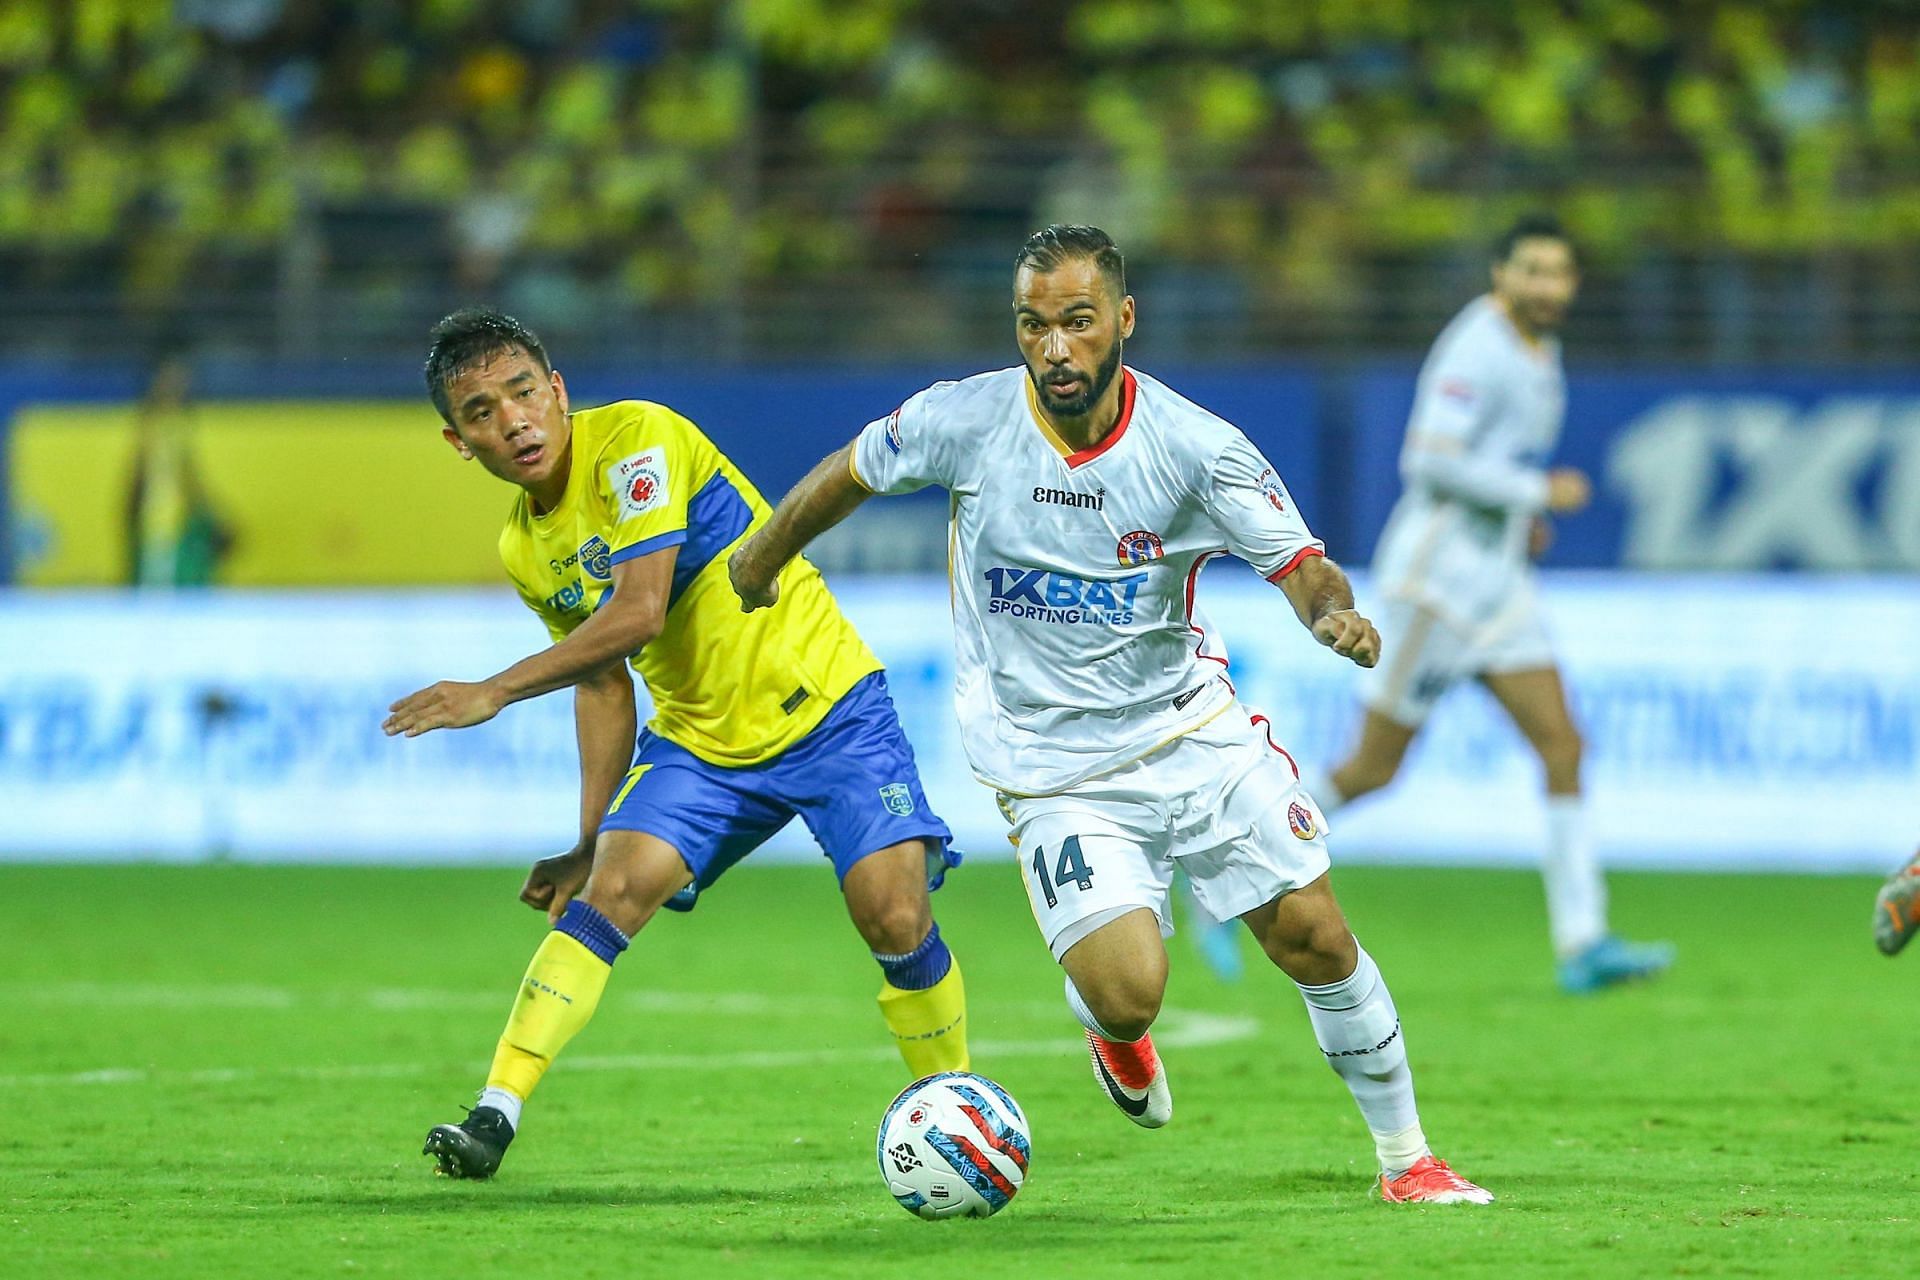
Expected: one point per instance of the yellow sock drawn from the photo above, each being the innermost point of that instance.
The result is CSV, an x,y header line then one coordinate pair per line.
x,y
557,998
930,1026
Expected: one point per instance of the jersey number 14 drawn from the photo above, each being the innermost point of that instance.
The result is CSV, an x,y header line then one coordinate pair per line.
x,y
1070,869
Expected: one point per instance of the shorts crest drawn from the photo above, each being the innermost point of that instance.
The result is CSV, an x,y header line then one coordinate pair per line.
x,y
1300,821
897,798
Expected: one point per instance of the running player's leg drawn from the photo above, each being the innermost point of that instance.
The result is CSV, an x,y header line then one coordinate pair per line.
x,y
1419,653
853,780
923,998
1217,941
1097,878
1896,908
1305,934
634,874
675,826
1374,763
1265,860
1590,957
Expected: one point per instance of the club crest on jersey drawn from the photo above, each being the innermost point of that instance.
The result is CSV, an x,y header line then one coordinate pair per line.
x,y
596,557
1140,546
1272,490
897,798
639,482
1300,821
893,430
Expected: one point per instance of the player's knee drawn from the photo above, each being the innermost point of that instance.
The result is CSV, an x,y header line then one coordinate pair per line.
x,y
893,925
1365,774
1561,754
1126,1006
1315,951
626,896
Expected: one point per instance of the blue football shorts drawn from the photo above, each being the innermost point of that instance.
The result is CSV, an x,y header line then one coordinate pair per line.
x,y
852,781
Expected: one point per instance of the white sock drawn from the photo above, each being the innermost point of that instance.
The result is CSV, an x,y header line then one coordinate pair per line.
x,y
1325,794
1359,1031
506,1103
1087,1020
1576,895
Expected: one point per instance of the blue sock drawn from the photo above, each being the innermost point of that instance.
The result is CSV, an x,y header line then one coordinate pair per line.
x,y
921,967
592,930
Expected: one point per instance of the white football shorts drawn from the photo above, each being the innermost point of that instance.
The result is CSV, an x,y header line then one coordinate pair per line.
x,y
1223,802
1423,653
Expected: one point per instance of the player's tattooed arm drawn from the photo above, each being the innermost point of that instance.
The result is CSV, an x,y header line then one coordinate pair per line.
x,y
826,496
627,622
1323,598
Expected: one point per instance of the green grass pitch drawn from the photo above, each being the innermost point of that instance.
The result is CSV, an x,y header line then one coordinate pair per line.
x,y
227,1071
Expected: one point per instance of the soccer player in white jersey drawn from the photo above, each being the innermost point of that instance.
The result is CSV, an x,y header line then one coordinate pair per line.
x,y
1086,496
1454,567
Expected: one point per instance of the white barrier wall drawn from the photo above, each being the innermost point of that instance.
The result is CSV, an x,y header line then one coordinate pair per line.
x,y
1733,722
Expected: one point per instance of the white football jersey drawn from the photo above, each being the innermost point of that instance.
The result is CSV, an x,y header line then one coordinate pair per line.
x,y
1486,417
1073,574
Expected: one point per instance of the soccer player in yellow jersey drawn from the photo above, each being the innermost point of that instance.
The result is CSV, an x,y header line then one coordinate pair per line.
x,y
619,540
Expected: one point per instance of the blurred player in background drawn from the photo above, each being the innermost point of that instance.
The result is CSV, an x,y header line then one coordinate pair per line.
x,y
174,534
1086,498
1896,908
618,540
1454,567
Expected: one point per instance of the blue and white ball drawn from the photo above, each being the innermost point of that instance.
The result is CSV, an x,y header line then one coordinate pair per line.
x,y
954,1145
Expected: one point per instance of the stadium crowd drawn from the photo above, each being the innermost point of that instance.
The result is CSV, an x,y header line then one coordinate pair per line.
x,y
569,157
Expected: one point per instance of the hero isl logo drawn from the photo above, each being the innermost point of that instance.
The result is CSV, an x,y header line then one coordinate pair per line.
x,y
1272,490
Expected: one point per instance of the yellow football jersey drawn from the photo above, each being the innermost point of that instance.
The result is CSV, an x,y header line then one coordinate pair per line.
x,y
733,688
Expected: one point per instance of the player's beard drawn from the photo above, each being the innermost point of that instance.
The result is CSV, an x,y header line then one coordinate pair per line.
x,y
1081,405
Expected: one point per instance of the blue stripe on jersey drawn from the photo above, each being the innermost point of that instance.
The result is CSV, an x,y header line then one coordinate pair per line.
x,y
658,542
715,517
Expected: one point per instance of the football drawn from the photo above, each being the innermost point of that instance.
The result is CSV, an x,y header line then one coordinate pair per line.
x,y
953,1145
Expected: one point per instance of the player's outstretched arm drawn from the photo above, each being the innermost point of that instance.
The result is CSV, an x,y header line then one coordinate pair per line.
x,y
826,496
1323,598
604,723
629,620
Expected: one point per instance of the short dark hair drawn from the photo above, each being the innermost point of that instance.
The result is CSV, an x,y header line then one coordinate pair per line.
x,y
471,336
1054,246
1530,226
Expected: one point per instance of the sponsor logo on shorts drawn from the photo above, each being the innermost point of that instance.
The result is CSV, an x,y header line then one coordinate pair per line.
x,y
1056,597
1300,821
897,798
1140,546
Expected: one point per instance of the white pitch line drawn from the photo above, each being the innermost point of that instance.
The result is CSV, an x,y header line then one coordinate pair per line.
x,y
1176,1030
403,1000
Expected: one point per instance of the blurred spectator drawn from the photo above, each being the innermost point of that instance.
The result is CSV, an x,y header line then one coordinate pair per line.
x,y
175,536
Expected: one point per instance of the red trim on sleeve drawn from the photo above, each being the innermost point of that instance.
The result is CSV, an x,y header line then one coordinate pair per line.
x,y
1299,557
1193,579
1127,389
1266,726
